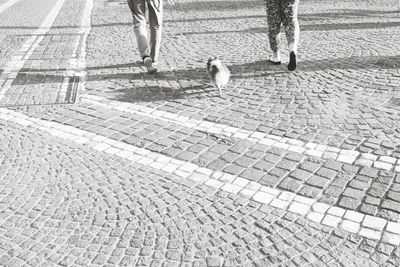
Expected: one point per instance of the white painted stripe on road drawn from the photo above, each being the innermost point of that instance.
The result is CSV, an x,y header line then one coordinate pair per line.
x,y
371,227
6,5
17,62
288,144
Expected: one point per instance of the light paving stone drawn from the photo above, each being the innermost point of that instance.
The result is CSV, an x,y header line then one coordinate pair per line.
x,y
387,159
202,170
281,145
172,167
135,157
148,161
305,200
295,142
241,182
311,146
299,208
369,156
297,149
314,153
213,130
364,162
382,165
154,156
56,133
267,142
369,233
188,167
217,175
231,130
180,173
350,226
241,135
247,193
99,138
142,151
198,178
374,222
330,155
110,141
397,168
120,145
253,186
336,211
270,190
158,166
320,207
332,221
163,159
258,135
158,113
393,227
231,188
315,217
82,140
214,183
274,137
287,196
354,216
281,204
112,150
349,152
124,154
393,239
263,197
227,178
346,158
321,148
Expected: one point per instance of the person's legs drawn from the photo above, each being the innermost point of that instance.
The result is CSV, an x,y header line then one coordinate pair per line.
x,y
274,28
155,19
138,9
292,29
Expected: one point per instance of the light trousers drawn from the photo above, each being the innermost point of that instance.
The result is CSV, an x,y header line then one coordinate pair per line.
x,y
148,47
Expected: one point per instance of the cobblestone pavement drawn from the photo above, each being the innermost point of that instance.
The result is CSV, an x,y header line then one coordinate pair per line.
x,y
103,164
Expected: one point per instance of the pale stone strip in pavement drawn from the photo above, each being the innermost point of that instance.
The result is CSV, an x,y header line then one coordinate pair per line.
x,y
354,222
17,62
7,4
77,67
289,144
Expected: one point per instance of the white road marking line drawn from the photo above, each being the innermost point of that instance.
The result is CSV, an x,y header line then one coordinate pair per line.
x,y
289,144
17,62
6,5
347,220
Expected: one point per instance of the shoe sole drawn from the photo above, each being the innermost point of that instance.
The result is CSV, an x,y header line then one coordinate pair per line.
x,y
274,62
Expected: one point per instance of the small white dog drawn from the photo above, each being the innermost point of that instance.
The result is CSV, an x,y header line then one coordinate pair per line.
x,y
219,73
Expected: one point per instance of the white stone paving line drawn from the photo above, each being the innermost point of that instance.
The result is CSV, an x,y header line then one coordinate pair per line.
x,y
7,5
17,61
77,66
289,144
354,222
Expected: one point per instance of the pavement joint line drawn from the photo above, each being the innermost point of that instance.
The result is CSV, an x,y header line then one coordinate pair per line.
x,y
309,149
348,220
14,66
7,5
